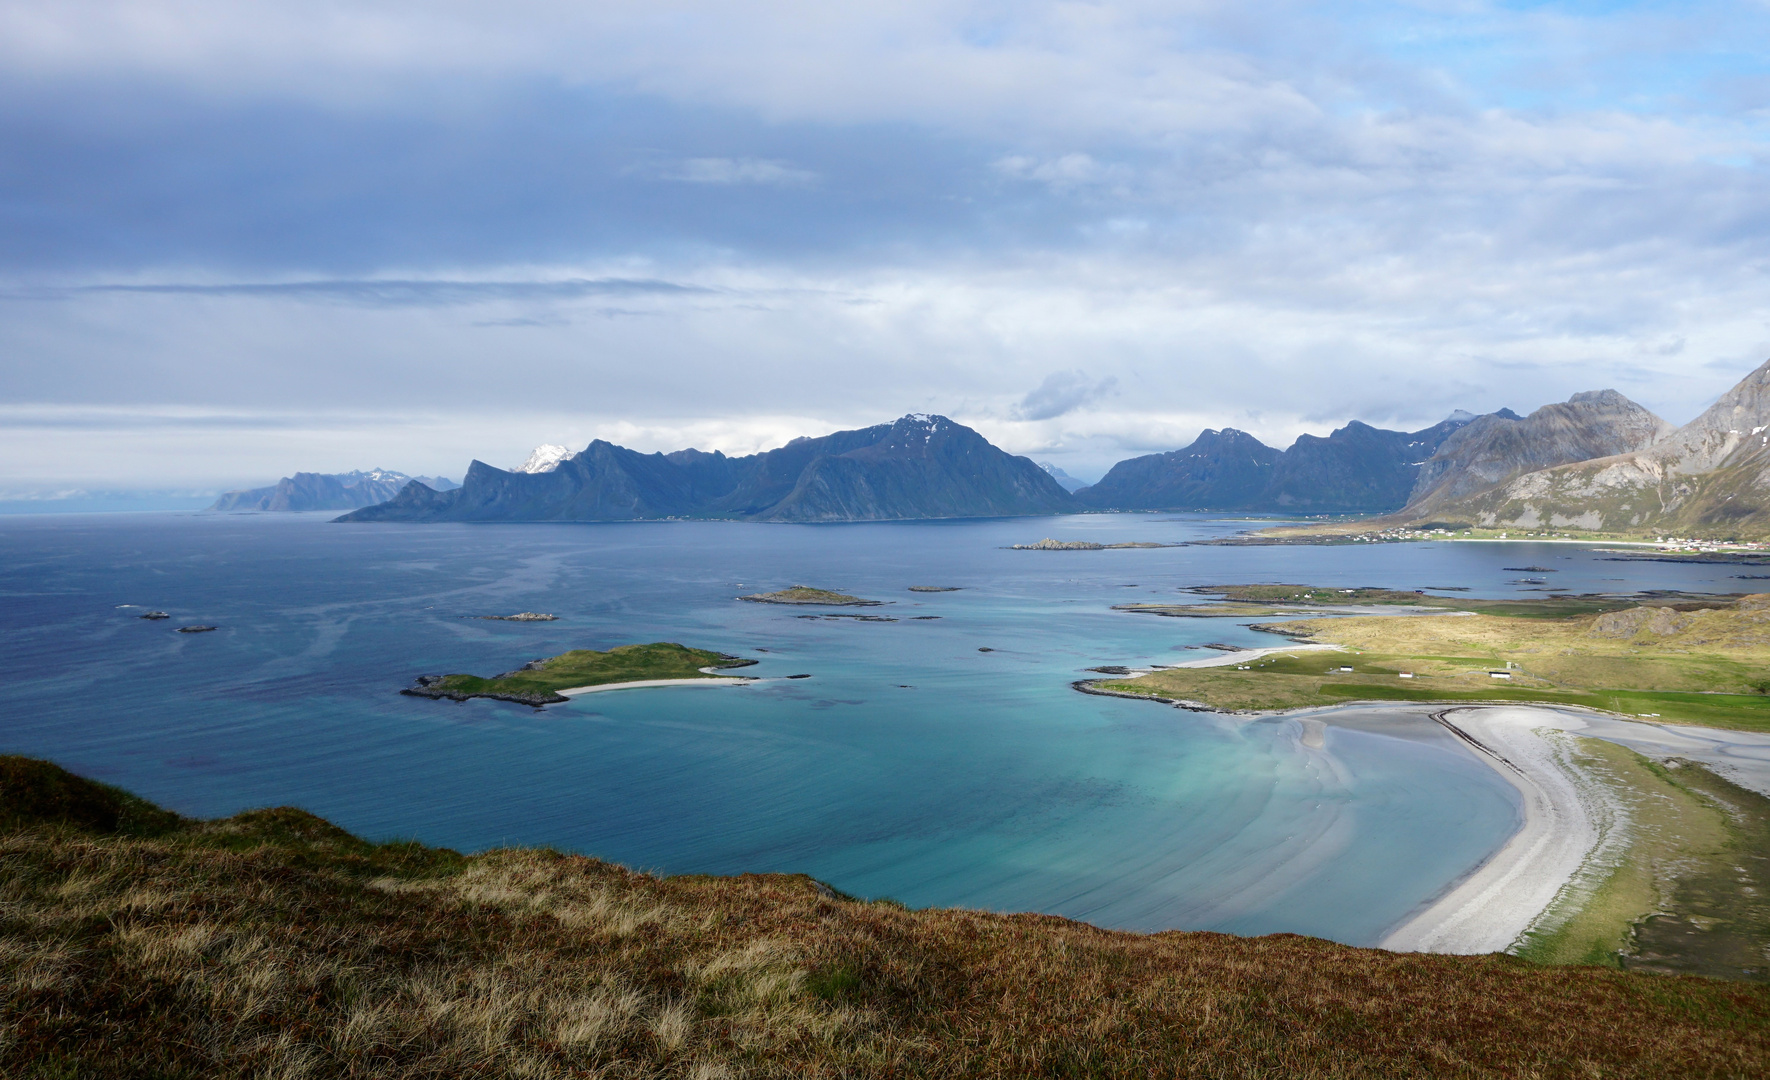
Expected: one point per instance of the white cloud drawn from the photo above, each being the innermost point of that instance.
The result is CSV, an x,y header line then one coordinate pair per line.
x,y
1272,216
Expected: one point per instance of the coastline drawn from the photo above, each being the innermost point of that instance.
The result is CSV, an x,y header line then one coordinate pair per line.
x,y
1567,816
716,680
579,691
1244,655
1574,826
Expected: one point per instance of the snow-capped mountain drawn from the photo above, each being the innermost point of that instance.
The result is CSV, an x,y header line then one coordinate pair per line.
x,y
546,458
1064,480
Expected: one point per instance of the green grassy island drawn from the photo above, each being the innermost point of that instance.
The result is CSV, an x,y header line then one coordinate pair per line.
x,y
805,594
540,682
137,943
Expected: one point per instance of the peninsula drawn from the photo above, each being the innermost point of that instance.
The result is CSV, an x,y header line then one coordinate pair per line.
x,y
559,678
1683,657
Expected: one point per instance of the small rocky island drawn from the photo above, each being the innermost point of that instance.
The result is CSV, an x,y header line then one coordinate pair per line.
x,y
539,682
1048,544
935,588
805,594
523,616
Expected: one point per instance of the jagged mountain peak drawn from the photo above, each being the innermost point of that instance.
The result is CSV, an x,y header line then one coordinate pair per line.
x,y
1733,425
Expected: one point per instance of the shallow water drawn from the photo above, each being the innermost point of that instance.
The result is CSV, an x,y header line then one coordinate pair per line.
x,y
911,764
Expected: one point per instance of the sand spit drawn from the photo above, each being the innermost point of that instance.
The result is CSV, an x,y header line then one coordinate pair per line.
x,y
1242,656
1570,818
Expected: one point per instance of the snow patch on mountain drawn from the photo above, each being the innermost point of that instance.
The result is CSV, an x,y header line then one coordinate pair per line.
x,y
546,458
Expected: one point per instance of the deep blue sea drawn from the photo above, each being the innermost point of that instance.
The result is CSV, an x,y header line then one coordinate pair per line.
x,y
911,764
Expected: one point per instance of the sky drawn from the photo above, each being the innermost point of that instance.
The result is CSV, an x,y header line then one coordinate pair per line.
x,y
240,239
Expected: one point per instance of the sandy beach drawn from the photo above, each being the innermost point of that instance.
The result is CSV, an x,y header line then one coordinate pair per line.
x,y
717,680
1568,817
1245,655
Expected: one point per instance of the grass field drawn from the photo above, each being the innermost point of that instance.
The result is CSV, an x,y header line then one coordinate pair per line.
x,y
272,944
1689,888
586,667
1700,662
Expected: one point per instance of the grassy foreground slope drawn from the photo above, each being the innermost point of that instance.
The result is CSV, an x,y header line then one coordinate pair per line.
x,y
134,943
1709,664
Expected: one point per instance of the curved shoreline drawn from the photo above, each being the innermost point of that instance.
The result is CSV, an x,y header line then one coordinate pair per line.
x,y
1565,816
1566,813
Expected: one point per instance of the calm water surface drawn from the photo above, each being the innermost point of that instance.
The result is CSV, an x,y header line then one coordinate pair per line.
x,y
911,764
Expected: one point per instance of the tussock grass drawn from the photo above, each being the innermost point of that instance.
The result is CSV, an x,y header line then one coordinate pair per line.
x,y
270,945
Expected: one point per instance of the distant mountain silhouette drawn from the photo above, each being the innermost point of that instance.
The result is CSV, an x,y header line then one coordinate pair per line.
x,y
327,491
917,467
1357,469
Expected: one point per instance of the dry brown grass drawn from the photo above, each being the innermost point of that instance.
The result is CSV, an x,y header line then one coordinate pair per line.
x,y
271,945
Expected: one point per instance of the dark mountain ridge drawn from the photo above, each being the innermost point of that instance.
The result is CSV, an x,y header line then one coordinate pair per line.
x,y
916,467
1357,469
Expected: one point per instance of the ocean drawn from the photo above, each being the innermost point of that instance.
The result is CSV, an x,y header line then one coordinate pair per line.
x,y
911,764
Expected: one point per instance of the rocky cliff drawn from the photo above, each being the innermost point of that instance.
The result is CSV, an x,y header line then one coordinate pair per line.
x,y
917,467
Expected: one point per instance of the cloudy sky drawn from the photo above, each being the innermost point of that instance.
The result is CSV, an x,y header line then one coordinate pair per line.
x,y
243,238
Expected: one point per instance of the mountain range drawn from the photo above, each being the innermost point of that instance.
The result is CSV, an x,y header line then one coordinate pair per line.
x,y
327,491
1597,461
916,467
1357,469
1709,478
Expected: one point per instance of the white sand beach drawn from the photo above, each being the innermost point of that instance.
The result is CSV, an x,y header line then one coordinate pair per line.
x,y
717,680
1245,655
575,691
1567,816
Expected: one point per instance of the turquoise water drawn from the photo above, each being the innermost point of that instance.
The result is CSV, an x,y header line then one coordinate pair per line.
x,y
910,764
